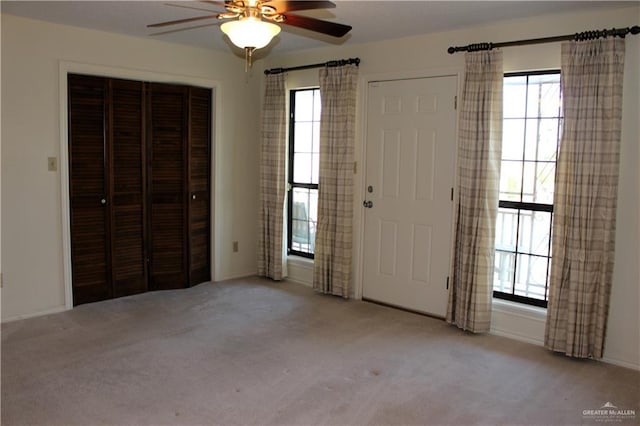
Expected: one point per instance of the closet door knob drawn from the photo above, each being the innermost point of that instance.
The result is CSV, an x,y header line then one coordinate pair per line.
x,y
193,197
103,201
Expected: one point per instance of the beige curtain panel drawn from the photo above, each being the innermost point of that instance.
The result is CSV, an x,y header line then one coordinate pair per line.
x,y
333,249
272,179
479,152
586,189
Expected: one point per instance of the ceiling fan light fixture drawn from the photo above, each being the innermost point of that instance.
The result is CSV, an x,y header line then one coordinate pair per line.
x,y
250,32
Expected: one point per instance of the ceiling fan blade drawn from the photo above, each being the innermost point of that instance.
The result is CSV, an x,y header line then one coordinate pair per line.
x,y
217,3
177,30
189,7
283,6
325,27
182,21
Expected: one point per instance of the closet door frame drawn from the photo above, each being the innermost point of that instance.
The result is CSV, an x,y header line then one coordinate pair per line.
x,y
66,68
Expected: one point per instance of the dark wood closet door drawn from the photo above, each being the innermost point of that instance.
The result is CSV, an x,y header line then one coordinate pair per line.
x,y
88,189
139,186
168,108
127,152
199,185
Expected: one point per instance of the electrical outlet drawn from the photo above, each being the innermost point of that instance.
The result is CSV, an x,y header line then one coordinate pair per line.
x,y
52,164
235,246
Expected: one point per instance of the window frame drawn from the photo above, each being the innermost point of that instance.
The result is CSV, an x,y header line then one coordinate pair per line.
x,y
291,184
518,206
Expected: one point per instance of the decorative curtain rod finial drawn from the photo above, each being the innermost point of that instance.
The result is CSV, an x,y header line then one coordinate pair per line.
x,y
585,35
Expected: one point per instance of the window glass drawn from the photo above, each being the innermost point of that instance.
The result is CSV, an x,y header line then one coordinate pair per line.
x,y
532,125
304,166
303,106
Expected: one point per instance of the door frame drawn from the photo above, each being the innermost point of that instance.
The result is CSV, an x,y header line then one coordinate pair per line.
x,y
359,190
67,67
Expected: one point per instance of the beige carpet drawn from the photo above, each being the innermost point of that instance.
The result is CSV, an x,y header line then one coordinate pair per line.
x,y
256,352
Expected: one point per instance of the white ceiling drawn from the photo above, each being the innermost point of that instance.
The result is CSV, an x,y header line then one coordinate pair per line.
x,y
371,20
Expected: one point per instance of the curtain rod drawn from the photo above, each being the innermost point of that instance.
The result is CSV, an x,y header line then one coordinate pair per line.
x,y
336,63
586,35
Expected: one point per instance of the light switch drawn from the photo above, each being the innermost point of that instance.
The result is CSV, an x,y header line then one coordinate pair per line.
x,y
52,164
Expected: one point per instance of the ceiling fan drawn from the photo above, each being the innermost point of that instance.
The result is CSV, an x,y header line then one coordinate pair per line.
x,y
253,23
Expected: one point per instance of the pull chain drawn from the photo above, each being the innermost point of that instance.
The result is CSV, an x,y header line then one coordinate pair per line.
x,y
248,57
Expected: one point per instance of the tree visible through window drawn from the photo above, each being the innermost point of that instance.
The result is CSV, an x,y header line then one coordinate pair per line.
x,y
304,165
532,121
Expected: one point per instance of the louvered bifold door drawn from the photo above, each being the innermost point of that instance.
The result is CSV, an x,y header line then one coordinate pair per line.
x,y
127,151
199,185
167,173
88,181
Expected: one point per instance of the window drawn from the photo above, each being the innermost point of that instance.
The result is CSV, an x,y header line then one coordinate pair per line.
x,y
304,165
532,121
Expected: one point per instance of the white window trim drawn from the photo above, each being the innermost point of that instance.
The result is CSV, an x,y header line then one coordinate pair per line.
x,y
518,321
300,270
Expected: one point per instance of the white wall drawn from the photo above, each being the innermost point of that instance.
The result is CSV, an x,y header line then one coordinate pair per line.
x,y
420,55
31,220
32,249
0,174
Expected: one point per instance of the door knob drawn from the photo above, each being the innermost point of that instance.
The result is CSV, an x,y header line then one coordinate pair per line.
x,y
193,197
103,201
367,204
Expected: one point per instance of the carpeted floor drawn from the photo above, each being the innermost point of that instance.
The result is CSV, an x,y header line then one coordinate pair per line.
x,y
256,352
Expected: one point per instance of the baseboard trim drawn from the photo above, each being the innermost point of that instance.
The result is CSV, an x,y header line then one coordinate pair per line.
x,y
55,310
621,363
235,276
516,336
300,282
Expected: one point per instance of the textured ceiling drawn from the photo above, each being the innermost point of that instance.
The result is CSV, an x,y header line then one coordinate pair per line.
x,y
371,20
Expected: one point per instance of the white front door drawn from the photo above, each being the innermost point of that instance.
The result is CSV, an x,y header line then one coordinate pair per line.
x,y
410,145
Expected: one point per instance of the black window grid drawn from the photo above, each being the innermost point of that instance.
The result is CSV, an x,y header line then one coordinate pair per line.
x,y
293,185
520,206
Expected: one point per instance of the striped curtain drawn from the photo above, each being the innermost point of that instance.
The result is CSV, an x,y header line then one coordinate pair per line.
x,y
479,152
585,197
272,179
333,257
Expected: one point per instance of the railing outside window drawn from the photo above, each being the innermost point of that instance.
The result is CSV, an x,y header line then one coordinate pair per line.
x,y
304,165
531,131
